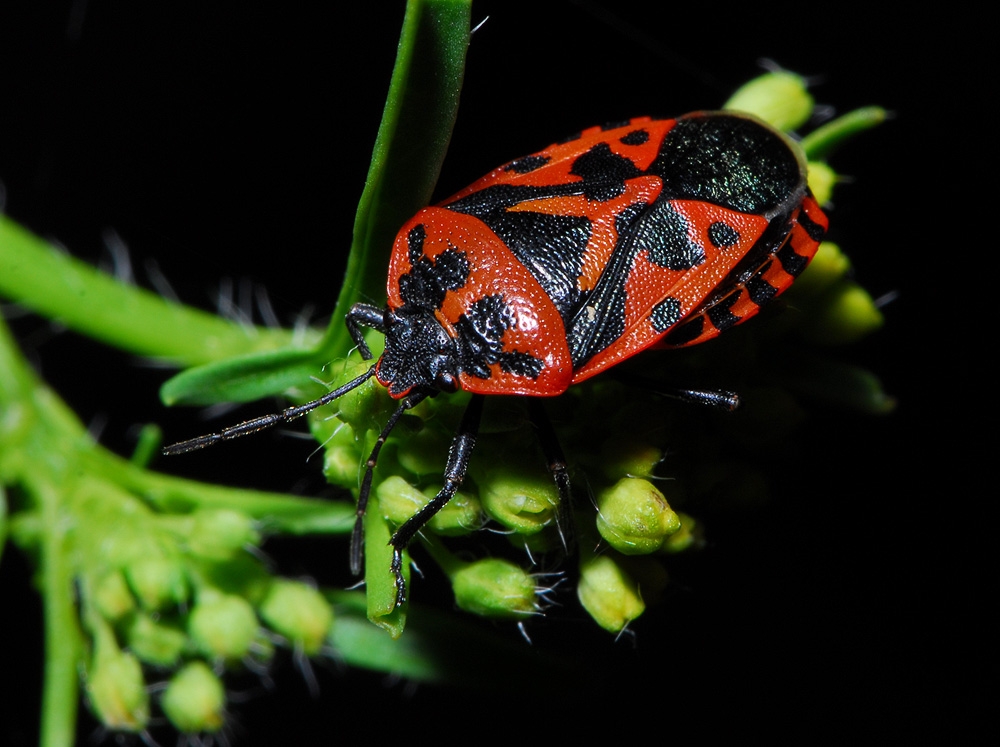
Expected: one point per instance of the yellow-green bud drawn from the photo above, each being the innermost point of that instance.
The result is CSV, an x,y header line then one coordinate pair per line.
x,y
155,642
116,688
299,613
195,700
341,457
366,407
222,626
495,588
634,517
822,179
828,266
520,500
399,501
111,596
157,581
608,593
423,453
688,537
848,313
629,458
779,98
218,533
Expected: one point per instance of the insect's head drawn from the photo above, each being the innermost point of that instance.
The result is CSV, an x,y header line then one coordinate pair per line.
x,y
419,353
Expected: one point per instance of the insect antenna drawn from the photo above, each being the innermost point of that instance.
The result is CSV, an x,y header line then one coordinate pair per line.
x,y
265,421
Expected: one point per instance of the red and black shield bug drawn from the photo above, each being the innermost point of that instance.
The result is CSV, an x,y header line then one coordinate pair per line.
x,y
561,264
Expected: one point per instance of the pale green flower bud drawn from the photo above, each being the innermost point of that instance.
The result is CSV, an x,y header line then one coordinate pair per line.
x,y
828,266
688,537
522,500
366,407
779,98
495,588
399,501
342,457
424,452
629,458
608,593
111,597
155,642
847,314
634,517
822,180
195,700
115,686
222,626
298,612
157,581
218,533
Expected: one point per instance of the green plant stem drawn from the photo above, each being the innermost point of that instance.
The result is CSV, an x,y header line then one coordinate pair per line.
x,y
63,639
88,301
822,141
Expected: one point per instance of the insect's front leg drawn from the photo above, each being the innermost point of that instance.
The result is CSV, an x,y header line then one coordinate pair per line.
x,y
364,315
454,473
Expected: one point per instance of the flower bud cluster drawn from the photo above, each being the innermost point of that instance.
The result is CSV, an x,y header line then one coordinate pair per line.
x,y
179,597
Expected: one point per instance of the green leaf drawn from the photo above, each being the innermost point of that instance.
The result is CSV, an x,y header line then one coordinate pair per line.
x,y
243,379
412,140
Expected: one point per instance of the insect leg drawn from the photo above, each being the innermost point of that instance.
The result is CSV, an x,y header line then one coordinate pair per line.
x,y
358,535
364,315
454,474
557,467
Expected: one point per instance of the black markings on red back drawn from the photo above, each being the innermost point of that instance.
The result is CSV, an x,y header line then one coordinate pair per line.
x,y
480,341
665,314
417,337
527,164
813,230
721,315
724,160
557,268
722,235
428,280
664,233
603,172
759,289
686,332
636,137
791,262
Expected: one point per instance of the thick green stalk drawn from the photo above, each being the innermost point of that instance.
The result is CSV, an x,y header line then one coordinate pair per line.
x,y
59,287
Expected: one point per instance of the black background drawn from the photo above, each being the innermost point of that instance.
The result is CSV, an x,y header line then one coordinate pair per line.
x,y
231,140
